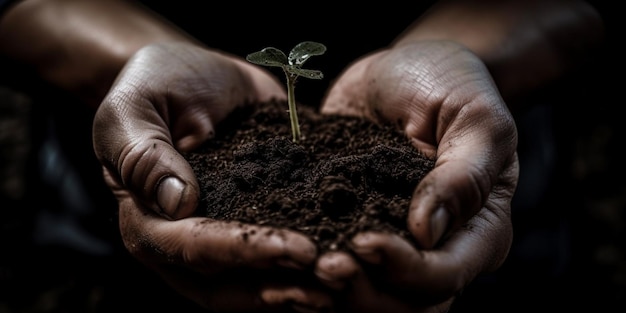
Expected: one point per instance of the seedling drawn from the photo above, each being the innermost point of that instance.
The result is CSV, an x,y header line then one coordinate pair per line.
x,y
292,67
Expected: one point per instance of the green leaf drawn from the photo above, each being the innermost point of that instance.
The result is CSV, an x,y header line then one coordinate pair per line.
x,y
312,74
303,51
269,57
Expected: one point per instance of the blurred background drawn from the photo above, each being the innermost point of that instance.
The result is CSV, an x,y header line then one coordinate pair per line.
x,y
60,250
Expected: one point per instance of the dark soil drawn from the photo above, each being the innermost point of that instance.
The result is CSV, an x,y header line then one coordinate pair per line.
x,y
344,176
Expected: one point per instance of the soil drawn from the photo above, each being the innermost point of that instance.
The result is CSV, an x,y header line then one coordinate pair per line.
x,y
345,175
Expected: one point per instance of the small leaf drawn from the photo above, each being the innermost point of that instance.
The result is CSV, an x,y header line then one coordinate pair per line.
x,y
312,74
269,57
304,50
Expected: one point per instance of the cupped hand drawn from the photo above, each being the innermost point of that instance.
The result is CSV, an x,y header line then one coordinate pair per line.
x,y
166,100
443,97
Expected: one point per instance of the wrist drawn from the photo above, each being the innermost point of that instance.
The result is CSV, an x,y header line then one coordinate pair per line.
x,y
525,44
79,46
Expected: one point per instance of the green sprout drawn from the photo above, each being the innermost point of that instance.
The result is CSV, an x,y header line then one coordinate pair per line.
x,y
292,67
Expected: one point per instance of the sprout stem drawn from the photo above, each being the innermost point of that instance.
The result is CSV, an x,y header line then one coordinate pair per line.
x,y
293,114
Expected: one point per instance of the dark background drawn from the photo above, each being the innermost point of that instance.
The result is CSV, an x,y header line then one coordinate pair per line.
x,y
60,251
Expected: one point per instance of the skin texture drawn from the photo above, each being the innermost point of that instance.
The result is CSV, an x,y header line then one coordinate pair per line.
x,y
461,209
179,120
449,86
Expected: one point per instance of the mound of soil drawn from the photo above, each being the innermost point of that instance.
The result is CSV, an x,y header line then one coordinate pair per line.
x,y
345,175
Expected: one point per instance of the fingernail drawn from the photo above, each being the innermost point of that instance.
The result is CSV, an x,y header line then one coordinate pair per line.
x,y
438,224
169,194
365,253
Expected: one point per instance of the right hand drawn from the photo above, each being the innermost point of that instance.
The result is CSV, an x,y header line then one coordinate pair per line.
x,y
167,99
445,100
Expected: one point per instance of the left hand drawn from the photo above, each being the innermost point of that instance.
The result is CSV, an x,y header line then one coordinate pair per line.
x,y
166,100
443,97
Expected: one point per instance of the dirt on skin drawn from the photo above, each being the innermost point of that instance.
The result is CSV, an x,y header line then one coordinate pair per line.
x,y
344,176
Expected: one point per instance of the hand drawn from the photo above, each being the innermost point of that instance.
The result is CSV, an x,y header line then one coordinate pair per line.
x,y
445,100
167,99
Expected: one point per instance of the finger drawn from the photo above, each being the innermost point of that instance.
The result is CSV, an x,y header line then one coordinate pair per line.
x,y
360,293
335,269
142,157
299,298
208,246
481,246
435,274
213,263
456,189
247,290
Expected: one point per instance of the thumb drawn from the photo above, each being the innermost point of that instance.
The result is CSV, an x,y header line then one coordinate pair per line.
x,y
141,160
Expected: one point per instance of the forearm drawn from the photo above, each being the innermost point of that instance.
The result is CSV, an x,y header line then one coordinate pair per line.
x,y
525,44
80,45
